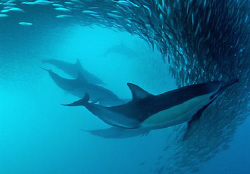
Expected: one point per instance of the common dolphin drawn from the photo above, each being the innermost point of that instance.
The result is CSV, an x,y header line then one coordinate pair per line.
x,y
73,69
79,86
148,112
121,49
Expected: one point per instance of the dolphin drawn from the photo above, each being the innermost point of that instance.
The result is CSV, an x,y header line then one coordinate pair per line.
x,y
73,69
146,112
121,49
117,133
79,86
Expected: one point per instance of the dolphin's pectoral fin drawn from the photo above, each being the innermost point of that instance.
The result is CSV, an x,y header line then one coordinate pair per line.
x,y
196,117
137,92
194,120
189,130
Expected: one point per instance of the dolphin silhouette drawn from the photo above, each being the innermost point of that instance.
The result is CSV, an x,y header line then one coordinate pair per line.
x,y
73,69
121,49
147,112
79,86
117,133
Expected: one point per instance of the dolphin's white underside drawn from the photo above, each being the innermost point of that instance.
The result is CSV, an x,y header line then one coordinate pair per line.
x,y
177,114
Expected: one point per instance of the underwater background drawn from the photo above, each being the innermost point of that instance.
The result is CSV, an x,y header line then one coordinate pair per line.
x,y
163,45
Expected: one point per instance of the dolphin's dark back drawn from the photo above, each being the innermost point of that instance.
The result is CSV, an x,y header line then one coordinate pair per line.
x,y
63,83
183,94
73,70
79,87
68,68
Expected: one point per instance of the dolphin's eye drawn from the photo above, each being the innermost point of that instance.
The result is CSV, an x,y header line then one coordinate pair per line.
x,y
212,97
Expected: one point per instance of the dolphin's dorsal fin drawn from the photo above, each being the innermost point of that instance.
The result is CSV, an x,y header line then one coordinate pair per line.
x,y
138,92
78,63
80,77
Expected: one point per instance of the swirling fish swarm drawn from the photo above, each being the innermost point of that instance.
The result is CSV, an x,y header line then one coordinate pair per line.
x,y
202,40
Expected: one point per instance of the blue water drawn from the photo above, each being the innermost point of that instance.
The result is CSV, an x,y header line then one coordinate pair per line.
x,y
236,158
40,136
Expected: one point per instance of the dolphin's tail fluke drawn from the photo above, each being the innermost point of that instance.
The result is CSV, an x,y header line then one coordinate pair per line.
x,y
81,102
